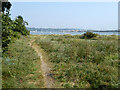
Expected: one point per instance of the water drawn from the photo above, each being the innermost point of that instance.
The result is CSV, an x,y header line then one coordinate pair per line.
x,y
47,32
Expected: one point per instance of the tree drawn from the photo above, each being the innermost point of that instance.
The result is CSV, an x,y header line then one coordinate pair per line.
x,y
11,29
6,6
20,26
6,25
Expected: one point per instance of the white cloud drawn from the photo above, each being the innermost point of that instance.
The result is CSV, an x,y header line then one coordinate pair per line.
x,y
64,0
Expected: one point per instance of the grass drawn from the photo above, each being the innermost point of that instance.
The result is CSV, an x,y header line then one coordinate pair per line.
x,y
21,66
82,63
75,62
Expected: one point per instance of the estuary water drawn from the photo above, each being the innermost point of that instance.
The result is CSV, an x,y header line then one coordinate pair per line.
x,y
71,33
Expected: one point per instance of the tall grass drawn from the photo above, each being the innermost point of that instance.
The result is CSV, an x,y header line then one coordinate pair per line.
x,y
83,63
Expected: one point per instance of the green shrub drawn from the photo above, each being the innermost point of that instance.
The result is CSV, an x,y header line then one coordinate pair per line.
x,y
89,35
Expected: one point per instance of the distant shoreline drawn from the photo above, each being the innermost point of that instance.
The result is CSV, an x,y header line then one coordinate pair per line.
x,y
92,31
67,34
70,30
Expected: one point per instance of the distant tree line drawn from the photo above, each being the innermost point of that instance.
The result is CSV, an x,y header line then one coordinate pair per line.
x,y
11,29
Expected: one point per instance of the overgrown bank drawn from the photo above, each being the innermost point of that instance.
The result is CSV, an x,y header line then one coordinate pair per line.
x,y
77,63
82,63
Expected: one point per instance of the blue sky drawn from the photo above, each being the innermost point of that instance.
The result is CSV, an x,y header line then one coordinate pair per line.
x,y
86,15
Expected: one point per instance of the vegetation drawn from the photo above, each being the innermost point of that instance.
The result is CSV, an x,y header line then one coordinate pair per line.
x,y
82,63
20,62
20,66
89,35
11,29
79,61
20,26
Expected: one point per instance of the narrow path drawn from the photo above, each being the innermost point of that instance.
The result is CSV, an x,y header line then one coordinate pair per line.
x,y
48,80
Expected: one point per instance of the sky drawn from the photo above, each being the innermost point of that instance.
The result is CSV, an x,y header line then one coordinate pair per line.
x,y
85,15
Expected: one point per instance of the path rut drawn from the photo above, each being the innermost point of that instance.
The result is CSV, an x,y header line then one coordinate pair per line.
x,y
48,80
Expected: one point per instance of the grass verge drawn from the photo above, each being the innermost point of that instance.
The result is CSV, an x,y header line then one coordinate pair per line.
x,y
21,66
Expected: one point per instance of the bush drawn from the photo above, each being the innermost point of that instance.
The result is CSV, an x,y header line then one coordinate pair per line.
x,y
89,35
